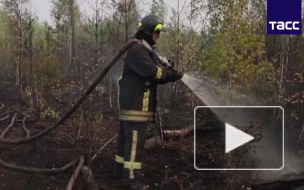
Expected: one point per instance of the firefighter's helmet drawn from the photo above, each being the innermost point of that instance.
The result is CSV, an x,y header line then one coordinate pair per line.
x,y
151,23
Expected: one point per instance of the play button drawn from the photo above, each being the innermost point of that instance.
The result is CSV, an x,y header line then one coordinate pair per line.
x,y
238,138
235,138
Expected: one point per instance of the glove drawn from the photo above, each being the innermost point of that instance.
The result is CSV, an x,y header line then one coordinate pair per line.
x,y
171,63
174,75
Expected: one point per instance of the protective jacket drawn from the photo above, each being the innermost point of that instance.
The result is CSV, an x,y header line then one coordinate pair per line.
x,y
137,85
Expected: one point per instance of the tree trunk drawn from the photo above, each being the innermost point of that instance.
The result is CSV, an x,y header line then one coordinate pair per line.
x,y
19,60
96,37
31,54
72,43
126,22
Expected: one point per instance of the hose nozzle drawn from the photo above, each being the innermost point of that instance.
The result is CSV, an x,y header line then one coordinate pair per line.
x,y
162,60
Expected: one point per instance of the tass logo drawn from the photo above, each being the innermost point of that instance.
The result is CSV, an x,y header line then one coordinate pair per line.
x,y
284,16
280,25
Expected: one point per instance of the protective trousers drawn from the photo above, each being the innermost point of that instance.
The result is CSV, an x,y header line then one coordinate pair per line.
x,y
130,151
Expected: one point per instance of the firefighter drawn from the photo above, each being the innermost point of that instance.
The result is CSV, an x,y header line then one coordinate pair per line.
x,y
137,102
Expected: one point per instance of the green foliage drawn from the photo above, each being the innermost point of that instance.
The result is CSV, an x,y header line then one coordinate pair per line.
x,y
49,71
240,55
238,52
61,11
5,42
264,84
48,113
28,96
158,7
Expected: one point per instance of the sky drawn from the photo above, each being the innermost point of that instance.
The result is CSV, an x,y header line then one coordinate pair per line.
x,y
42,7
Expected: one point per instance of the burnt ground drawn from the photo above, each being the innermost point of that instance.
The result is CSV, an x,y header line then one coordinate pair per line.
x,y
168,167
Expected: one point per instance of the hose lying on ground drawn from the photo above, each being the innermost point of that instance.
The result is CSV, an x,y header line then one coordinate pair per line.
x,y
6,114
90,182
75,174
1,106
4,118
8,127
36,170
26,131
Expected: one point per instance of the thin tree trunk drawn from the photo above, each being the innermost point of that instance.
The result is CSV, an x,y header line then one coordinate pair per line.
x,y
126,20
96,36
72,45
20,50
31,54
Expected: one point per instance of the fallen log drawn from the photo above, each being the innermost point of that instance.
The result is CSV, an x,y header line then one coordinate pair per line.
x,y
155,141
179,132
185,131
152,142
90,182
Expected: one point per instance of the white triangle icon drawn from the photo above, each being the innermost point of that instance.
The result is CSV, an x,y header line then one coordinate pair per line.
x,y
235,138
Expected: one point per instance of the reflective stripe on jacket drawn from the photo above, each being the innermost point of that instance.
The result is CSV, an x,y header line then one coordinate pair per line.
x,y
137,85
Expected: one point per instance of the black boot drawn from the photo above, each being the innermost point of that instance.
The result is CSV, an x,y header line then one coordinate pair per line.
x,y
134,184
135,138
